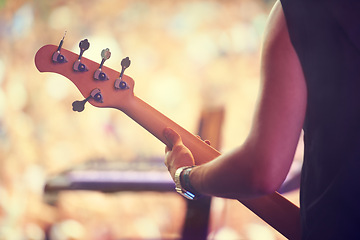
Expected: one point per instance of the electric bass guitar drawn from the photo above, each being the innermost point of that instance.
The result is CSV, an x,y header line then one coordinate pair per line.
x,y
106,88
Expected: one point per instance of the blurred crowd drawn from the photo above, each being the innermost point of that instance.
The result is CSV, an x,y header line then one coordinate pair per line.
x,y
186,55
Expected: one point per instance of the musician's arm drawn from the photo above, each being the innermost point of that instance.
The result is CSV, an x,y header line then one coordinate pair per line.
x,y
261,164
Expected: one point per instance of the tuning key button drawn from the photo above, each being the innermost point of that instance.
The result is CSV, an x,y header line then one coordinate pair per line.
x,y
57,57
79,106
125,63
99,74
105,55
120,84
96,95
78,65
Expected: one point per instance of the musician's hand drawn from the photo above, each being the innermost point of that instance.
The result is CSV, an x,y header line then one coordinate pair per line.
x,y
176,154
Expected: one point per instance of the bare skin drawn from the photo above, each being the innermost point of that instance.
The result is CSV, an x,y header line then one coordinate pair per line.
x,y
261,164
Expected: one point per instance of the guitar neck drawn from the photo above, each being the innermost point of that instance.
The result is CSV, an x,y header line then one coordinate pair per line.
x,y
155,123
274,209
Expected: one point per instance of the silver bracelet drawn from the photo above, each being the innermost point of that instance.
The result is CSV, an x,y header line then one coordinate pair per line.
x,y
178,184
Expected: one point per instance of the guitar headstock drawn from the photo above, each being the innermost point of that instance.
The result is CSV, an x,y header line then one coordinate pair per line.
x,y
101,86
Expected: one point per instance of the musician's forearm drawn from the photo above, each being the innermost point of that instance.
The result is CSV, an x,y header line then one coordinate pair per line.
x,y
238,175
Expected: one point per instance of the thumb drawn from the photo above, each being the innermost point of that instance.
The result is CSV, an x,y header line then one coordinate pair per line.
x,y
172,137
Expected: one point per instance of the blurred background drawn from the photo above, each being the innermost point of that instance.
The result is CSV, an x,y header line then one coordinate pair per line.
x,y
196,61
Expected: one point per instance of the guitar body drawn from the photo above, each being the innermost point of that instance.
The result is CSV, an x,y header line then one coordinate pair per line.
x,y
274,209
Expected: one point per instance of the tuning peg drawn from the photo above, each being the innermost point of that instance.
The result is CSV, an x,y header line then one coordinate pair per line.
x,y
99,74
78,65
119,83
57,57
79,106
125,63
